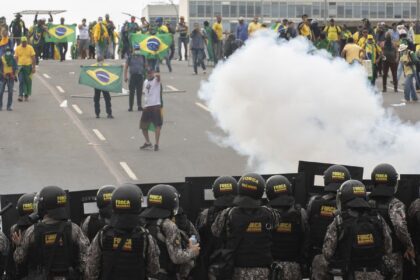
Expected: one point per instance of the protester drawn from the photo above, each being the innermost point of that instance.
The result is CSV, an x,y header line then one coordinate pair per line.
x,y
291,31
110,27
8,71
408,60
5,42
390,55
242,30
316,32
144,27
101,38
198,42
171,53
208,31
106,95
352,52
84,39
304,28
135,64
152,113
63,46
373,53
183,38
333,35
25,57
344,36
17,28
254,26
218,39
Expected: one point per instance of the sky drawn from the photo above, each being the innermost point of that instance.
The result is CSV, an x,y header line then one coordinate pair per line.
x,y
78,9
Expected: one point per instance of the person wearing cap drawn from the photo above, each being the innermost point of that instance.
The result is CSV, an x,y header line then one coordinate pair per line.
x,y
242,30
373,53
8,75
176,253
248,229
101,38
304,28
183,39
93,223
25,208
321,209
136,65
55,247
84,37
358,238
333,32
382,199
26,59
291,237
161,28
198,43
224,190
409,61
218,39
123,249
17,28
254,26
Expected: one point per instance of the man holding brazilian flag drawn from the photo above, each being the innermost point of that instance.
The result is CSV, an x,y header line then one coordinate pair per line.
x,y
61,33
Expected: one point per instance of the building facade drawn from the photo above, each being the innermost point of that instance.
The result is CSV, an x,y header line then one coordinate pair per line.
x,y
169,13
270,11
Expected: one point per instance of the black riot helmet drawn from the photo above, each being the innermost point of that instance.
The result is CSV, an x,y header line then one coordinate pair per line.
x,y
162,202
334,176
385,180
250,191
352,194
103,200
52,200
126,205
279,191
224,190
25,207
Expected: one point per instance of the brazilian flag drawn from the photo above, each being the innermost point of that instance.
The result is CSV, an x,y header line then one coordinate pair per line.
x,y
106,78
60,33
152,46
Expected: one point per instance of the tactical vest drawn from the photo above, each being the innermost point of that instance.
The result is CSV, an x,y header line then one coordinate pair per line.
x,y
64,255
96,223
251,229
414,224
320,217
209,243
382,208
361,243
166,264
127,263
288,237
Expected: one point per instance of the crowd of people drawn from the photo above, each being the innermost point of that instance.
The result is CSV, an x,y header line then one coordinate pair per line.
x,y
343,232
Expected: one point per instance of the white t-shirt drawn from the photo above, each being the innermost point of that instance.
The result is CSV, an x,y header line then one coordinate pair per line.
x,y
151,91
84,33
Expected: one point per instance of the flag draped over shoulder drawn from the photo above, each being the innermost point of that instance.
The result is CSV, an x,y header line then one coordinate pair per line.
x,y
107,78
152,46
60,33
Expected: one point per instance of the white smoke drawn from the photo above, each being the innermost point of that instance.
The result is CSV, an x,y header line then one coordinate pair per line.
x,y
279,103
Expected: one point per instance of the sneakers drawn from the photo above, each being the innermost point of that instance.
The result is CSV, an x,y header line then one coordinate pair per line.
x,y
145,146
156,148
130,109
139,108
110,116
97,116
9,109
20,99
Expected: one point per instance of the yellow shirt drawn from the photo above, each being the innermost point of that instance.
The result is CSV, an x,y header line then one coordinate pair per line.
x,y
218,28
408,70
356,37
305,30
252,27
163,29
24,55
332,32
97,36
352,52
362,42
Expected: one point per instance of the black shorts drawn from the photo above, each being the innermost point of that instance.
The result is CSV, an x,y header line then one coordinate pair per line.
x,y
150,115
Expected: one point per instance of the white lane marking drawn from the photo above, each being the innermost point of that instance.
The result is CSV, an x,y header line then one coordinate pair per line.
x,y
202,106
128,170
63,104
60,89
99,134
172,88
77,109
46,76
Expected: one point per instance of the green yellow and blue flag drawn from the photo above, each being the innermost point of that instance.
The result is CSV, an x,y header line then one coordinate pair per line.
x,y
152,46
106,78
60,33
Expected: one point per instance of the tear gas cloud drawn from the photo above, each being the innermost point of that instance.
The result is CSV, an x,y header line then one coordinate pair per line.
x,y
279,103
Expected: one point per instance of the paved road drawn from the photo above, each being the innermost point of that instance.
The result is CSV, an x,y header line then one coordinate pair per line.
x,y
43,143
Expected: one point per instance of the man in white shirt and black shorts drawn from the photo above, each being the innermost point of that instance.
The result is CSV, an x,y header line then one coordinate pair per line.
x,y
84,39
152,109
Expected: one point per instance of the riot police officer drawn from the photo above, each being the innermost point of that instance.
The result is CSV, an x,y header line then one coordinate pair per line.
x,y
290,238
95,222
321,209
414,226
55,247
176,254
385,181
248,228
358,238
25,208
123,249
224,190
